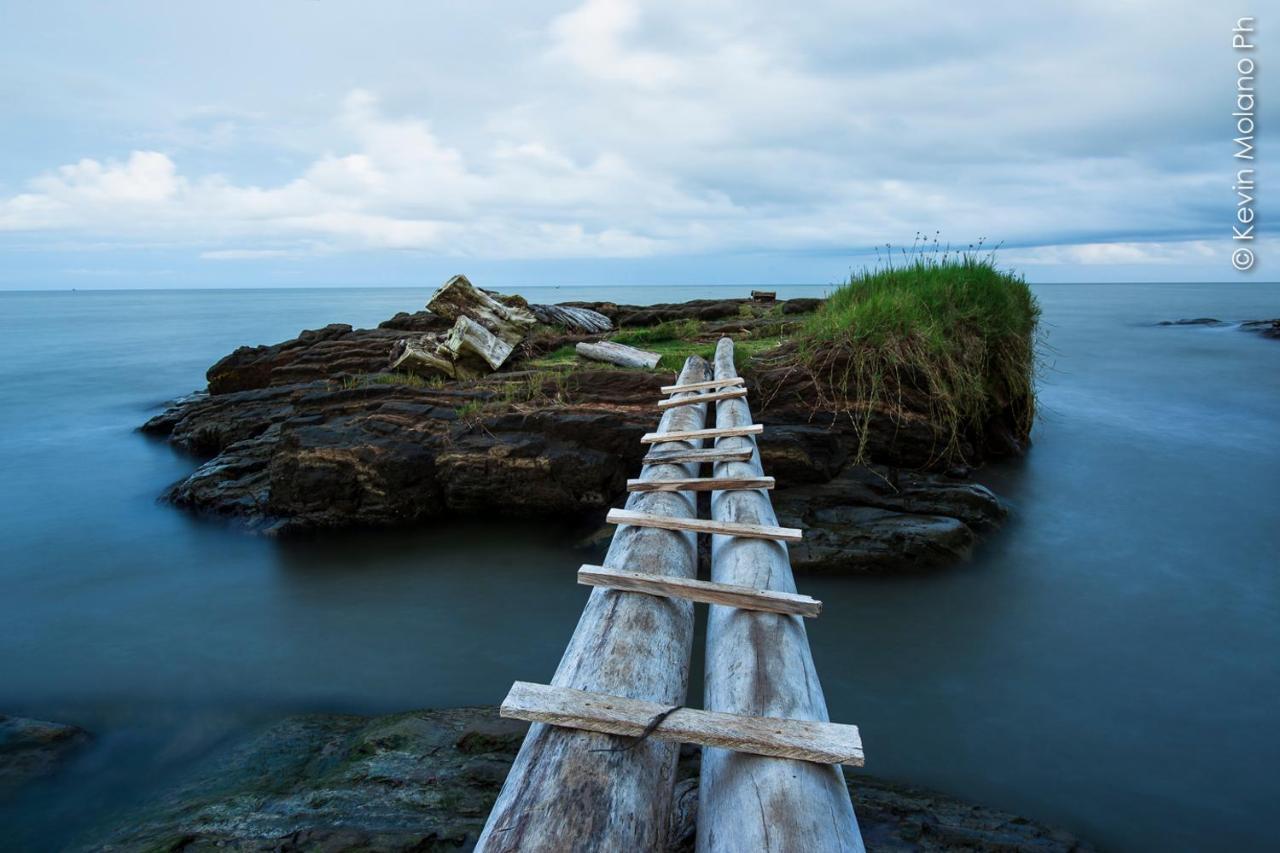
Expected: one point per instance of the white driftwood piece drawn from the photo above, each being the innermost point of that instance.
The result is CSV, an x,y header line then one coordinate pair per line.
x,y
564,794
419,356
760,664
699,386
619,354
727,394
701,591
573,317
703,525
469,337
804,740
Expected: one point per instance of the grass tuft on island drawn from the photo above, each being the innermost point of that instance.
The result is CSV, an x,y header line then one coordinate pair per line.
x,y
954,334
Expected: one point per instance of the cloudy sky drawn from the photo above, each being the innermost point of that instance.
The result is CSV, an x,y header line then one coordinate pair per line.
x,y
293,142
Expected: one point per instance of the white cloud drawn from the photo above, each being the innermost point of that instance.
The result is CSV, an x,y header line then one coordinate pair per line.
x,y
621,129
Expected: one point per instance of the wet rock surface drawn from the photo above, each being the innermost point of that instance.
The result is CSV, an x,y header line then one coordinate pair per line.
x,y
878,520
33,749
426,780
315,433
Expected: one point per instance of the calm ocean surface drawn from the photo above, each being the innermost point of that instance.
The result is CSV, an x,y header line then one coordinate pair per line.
x,y
1108,661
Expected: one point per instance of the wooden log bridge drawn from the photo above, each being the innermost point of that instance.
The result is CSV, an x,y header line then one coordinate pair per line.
x,y
597,769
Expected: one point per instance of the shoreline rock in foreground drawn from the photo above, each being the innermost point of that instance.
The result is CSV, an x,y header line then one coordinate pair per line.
x,y
32,749
426,780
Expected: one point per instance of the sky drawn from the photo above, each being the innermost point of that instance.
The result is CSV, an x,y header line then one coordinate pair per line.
x,y
388,142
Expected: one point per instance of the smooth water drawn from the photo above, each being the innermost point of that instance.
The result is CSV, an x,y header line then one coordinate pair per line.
x,y
1107,661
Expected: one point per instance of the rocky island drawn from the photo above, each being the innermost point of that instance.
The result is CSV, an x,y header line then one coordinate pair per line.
x,y
871,435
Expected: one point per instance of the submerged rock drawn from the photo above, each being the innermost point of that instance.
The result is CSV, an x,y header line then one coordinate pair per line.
x,y
31,749
426,781
1266,328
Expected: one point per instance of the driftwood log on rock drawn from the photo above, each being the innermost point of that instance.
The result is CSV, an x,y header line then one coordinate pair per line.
x,y
619,354
485,332
573,318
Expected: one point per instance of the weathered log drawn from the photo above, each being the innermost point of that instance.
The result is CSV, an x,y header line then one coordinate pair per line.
x,y
484,334
573,318
469,339
760,664
566,790
619,354
458,297
419,356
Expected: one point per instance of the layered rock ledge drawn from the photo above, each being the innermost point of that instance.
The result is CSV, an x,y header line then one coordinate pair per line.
x,y
316,433
426,780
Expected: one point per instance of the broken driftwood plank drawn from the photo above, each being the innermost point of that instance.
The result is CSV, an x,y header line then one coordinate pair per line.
x,y
702,398
696,434
706,592
806,740
702,525
699,386
700,484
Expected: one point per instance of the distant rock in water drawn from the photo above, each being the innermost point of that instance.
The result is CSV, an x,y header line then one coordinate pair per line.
x,y
1266,328
31,749
1199,321
426,781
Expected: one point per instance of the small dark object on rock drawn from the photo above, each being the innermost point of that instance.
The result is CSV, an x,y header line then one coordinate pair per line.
x,y
764,295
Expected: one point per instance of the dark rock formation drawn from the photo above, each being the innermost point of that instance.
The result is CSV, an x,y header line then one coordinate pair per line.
x,y
426,781
31,749
875,520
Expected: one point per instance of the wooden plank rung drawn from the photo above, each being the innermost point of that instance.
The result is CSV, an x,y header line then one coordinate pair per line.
x,y
699,454
694,434
805,740
702,525
698,386
702,398
706,592
700,484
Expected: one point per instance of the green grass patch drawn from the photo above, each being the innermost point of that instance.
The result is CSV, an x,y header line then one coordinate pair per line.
x,y
408,379
957,332
669,330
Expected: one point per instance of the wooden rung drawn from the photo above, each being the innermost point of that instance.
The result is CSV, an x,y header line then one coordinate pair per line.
x,y
689,435
702,398
731,595
805,740
702,525
700,484
698,386
699,454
